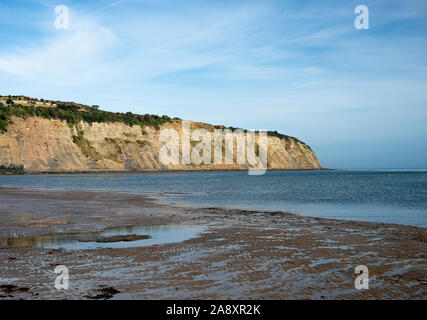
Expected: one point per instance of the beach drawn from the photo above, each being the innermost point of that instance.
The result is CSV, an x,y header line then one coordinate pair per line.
x,y
237,254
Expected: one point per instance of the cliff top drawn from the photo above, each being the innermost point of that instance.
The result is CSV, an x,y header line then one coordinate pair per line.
x,y
22,106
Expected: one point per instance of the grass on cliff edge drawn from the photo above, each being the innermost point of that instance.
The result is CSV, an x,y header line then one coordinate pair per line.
x,y
73,113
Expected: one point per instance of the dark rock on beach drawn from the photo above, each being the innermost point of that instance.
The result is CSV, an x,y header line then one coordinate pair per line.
x,y
104,293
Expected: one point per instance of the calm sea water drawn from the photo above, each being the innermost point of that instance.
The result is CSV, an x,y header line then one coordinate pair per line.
x,y
381,196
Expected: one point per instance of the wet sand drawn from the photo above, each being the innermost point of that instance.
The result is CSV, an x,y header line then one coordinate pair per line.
x,y
239,255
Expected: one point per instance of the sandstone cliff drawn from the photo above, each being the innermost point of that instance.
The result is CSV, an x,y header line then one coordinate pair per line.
x,y
38,144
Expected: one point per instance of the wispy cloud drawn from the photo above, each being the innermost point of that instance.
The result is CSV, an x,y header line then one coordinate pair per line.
x,y
69,51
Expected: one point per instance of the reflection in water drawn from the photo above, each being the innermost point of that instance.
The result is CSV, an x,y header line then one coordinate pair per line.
x,y
156,235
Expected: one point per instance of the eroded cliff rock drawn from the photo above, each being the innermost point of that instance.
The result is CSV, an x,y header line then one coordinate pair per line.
x,y
37,144
47,145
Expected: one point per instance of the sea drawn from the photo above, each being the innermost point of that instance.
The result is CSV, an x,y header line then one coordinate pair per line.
x,y
386,195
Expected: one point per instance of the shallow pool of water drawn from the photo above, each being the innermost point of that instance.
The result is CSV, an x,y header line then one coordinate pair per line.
x,y
157,235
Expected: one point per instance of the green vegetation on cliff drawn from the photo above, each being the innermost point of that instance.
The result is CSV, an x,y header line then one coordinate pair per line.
x,y
73,113
11,170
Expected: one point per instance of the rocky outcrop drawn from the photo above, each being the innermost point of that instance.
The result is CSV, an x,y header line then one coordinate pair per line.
x,y
37,144
11,170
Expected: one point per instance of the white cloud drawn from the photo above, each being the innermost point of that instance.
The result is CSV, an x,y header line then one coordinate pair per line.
x,y
69,51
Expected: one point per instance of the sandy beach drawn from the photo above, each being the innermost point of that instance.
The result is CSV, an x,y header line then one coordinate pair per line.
x,y
237,254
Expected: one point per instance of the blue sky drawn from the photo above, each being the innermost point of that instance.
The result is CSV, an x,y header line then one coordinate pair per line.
x,y
357,97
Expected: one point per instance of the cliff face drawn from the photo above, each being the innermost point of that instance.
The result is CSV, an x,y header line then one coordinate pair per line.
x,y
49,145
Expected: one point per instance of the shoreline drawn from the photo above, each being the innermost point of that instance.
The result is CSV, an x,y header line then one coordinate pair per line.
x,y
151,170
241,255
161,199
